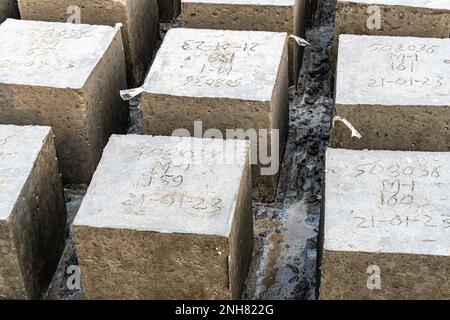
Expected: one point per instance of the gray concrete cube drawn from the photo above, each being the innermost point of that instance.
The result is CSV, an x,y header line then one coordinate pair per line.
x,y
32,212
68,77
167,218
386,225
139,18
416,18
255,15
395,91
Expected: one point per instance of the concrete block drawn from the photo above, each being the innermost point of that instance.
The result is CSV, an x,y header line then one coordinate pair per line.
x,y
8,9
386,225
140,21
169,9
416,18
167,218
226,80
283,16
395,91
68,77
32,212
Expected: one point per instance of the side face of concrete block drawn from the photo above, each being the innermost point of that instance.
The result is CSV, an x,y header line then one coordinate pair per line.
x,y
416,277
32,211
386,214
139,18
284,16
169,9
49,76
12,285
395,91
399,18
8,9
225,79
240,15
109,113
179,225
416,18
142,34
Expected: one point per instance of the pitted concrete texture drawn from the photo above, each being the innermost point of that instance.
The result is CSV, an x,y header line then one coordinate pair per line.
x,y
251,15
32,211
179,224
68,77
8,9
139,18
431,4
169,9
386,214
226,80
416,18
395,91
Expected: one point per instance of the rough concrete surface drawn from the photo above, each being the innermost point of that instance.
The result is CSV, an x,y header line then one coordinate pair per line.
x,y
416,18
399,94
32,212
282,16
226,80
178,226
285,243
45,79
387,209
169,10
139,18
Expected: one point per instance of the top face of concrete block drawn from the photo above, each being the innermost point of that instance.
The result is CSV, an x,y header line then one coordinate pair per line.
x,y
217,64
387,201
246,2
165,184
375,70
51,54
432,4
19,148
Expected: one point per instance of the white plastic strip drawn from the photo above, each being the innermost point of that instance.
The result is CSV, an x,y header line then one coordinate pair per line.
x,y
129,94
300,41
355,133
118,26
